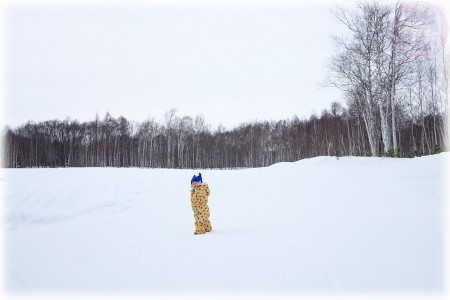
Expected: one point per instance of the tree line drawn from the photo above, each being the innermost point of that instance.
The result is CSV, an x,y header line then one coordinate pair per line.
x,y
394,81
186,142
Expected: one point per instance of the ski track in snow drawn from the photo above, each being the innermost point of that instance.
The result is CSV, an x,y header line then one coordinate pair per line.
x,y
320,225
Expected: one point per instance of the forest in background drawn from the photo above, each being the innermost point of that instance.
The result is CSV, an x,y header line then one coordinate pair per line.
x,y
394,79
186,142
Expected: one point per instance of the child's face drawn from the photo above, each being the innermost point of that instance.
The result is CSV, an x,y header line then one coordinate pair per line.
x,y
197,183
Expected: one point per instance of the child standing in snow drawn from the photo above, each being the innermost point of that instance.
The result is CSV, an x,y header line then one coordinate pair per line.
x,y
199,202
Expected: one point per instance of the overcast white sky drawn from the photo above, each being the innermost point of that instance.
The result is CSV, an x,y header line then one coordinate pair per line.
x,y
231,64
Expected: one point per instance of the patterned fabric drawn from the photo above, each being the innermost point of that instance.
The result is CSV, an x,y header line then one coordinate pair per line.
x,y
199,203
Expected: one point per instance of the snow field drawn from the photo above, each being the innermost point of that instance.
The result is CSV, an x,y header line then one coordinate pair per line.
x,y
318,226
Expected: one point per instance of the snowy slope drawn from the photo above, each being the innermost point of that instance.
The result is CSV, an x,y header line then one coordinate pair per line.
x,y
321,225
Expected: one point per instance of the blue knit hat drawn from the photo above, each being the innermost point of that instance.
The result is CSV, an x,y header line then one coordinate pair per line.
x,y
197,178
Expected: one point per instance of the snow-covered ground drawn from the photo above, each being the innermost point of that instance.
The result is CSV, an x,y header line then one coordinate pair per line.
x,y
322,225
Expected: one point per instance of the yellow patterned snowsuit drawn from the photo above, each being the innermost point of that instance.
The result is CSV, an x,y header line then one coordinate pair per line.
x,y
199,202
